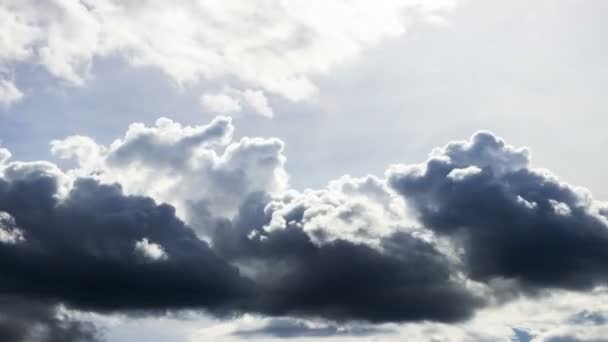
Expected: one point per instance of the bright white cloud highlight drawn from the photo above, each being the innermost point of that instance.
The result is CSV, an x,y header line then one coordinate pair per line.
x,y
258,102
150,250
190,167
276,46
9,233
220,103
5,155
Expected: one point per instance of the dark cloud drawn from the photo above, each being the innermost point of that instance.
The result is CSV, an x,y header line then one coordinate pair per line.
x,y
98,249
95,248
403,279
512,221
24,320
81,251
291,328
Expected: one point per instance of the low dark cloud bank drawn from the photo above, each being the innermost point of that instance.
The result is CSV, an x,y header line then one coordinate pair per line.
x,y
97,249
24,320
289,328
342,280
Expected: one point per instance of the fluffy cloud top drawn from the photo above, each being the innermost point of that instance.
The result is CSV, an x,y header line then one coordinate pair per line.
x,y
195,168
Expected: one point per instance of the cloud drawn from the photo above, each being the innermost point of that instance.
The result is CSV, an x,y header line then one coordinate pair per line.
x,y
291,328
194,168
9,232
258,102
23,320
404,278
9,93
275,46
150,250
512,221
231,101
79,250
5,155
94,227
432,242
589,335
220,103
592,317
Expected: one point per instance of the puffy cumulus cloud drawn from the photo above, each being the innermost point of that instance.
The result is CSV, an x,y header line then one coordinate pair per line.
x,y
194,168
511,220
434,242
403,278
274,45
355,209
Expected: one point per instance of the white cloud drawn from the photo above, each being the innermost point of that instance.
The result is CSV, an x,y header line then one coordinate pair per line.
x,y
231,100
9,93
5,155
276,46
258,102
186,166
560,208
220,103
361,210
9,233
463,173
150,250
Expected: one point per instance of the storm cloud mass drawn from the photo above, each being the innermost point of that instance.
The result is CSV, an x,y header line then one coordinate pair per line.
x,y
426,243
513,221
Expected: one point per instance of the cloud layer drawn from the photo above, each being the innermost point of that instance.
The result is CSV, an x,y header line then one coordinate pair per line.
x,y
436,241
272,46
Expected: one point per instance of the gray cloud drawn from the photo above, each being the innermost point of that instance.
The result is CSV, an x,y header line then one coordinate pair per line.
x,y
513,221
81,250
290,328
589,317
347,252
405,278
23,320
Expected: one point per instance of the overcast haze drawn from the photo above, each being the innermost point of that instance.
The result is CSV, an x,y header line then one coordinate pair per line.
x,y
420,170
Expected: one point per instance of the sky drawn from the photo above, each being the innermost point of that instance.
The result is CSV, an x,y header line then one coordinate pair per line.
x,y
349,170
